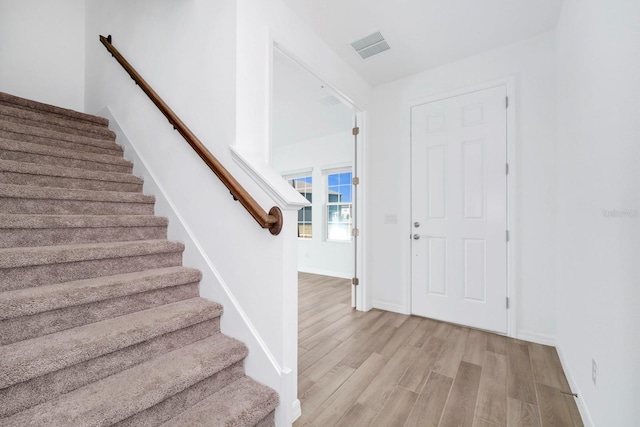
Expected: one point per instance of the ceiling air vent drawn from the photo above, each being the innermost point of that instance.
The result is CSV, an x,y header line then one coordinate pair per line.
x,y
329,101
370,45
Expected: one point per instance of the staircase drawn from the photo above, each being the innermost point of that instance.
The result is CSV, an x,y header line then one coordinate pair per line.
x,y
100,324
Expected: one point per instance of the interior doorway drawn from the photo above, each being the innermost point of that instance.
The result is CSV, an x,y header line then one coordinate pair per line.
x,y
315,148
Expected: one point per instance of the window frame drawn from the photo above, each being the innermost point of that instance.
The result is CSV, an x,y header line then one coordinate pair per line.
x,y
303,175
327,204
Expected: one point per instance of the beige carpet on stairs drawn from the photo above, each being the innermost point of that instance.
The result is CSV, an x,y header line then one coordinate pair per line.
x,y
100,324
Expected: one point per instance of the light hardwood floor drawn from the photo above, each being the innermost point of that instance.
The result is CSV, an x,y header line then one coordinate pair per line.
x,y
386,369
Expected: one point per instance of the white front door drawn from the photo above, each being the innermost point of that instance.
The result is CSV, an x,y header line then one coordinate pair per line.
x,y
459,209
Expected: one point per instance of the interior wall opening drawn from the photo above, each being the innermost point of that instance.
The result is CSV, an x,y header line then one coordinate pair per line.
x,y
314,149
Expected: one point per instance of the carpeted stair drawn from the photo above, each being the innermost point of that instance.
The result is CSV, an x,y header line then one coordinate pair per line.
x,y
100,324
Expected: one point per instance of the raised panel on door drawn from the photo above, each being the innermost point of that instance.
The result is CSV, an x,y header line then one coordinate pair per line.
x,y
459,201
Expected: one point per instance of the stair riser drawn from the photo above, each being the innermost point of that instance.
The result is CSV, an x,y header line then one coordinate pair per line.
x,y
30,393
63,161
23,117
12,205
30,237
29,105
26,327
48,133
38,275
113,150
182,401
16,178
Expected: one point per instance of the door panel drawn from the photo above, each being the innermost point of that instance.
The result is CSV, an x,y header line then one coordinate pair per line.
x,y
459,211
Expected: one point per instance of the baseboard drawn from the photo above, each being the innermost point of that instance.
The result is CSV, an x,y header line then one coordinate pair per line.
x,y
296,410
396,308
536,337
582,408
325,272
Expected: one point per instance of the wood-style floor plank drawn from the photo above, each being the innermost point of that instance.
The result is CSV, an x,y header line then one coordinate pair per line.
x,y
460,407
497,343
476,346
358,415
339,402
373,343
385,382
547,368
479,422
400,336
316,371
417,374
428,408
520,376
451,355
396,409
522,414
381,368
492,394
313,397
312,356
554,411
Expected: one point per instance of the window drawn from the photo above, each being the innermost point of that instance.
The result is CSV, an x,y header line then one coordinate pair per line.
x,y
339,204
303,184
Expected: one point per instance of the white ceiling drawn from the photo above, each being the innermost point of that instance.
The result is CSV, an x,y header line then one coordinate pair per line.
x,y
298,114
423,33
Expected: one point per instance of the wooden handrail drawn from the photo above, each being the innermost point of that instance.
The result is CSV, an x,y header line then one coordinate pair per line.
x,y
271,220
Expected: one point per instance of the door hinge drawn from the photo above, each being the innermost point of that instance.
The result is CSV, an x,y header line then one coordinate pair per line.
x,y
507,168
355,232
356,131
507,235
507,303
506,102
355,181
355,281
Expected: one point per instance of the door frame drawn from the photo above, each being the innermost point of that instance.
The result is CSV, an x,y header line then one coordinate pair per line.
x,y
509,82
360,119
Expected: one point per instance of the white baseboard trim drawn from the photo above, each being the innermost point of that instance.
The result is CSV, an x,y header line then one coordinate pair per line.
x,y
584,411
325,272
536,337
396,308
258,348
296,410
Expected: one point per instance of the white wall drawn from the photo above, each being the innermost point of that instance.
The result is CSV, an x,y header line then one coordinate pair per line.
x,y
186,51
42,51
598,273
317,255
532,62
260,24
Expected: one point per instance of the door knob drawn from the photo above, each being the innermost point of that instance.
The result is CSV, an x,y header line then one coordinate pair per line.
x,y
416,224
416,237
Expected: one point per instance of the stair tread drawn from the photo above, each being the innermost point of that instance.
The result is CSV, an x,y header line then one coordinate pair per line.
x,y
126,393
61,171
9,112
244,402
21,129
15,221
43,255
48,108
35,192
30,301
34,357
47,150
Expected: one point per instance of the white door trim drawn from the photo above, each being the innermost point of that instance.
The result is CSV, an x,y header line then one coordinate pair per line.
x,y
509,82
363,302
